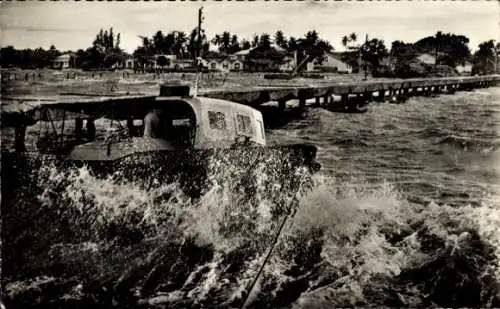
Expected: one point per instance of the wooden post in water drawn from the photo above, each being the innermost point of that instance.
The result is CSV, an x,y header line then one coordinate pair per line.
x,y
381,95
302,102
90,129
318,101
282,105
326,100
20,134
130,126
367,96
345,100
78,129
437,89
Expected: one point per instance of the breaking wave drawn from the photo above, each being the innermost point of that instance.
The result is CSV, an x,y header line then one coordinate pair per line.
x,y
104,241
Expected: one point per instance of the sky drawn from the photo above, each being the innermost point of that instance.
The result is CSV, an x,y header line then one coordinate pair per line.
x,y
73,25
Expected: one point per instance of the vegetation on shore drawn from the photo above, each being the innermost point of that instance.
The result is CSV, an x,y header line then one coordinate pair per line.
x,y
449,50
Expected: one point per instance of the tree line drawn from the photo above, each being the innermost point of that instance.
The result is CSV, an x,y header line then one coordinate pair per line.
x,y
368,54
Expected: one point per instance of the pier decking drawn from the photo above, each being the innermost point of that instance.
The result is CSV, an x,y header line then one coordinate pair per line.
x,y
368,90
352,95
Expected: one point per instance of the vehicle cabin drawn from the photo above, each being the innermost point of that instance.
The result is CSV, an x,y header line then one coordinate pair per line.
x,y
206,123
173,120
176,123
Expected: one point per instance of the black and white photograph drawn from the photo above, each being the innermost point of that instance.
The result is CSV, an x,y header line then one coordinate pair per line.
x,y
250,154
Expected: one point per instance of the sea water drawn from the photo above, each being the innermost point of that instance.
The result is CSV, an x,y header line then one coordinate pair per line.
x,y
405,212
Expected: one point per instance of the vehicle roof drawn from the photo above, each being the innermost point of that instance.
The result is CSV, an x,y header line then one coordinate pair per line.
x,y
204,101
120,107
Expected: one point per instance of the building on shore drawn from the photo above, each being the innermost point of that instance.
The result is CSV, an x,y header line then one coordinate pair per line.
x,y
160,62
63,62
465,68
332,63
288,64
265,59
225,63
429,58
129,63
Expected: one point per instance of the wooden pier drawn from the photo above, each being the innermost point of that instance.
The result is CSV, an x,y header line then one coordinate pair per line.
x,y
353,93
21,113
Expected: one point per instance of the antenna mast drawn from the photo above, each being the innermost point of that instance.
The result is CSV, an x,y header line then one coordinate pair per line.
x,y
198,50
364,62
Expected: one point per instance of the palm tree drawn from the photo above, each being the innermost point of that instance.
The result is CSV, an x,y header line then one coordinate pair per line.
x,y
192,44
255,40
345,40
158,42
168,43
245,44
217,40
312,37
292,43
226,41
235,45
353,37
180,44
265,41
280,39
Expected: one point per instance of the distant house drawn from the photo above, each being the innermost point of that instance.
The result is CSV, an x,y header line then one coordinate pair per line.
x,y
181,64
288,64
62,62
427,58
226,63
333,63
237,65
129,63
259,59
171,60
310,66
243,54
388,62
264,65
213,64
464,69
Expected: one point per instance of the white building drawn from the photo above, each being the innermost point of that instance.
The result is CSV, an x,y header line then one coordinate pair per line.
x,y
288,64
464,69
427,58
171,60
129,63
333,63
62,62
226,64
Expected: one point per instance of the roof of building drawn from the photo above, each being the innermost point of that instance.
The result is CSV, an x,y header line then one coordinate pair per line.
x,y
64,56
226,58
247,51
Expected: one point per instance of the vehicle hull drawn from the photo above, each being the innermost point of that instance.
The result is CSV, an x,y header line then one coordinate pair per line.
x,y
193,169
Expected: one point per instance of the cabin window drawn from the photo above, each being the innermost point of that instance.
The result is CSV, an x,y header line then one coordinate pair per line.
x,y
213,65
244,124
237,66
261,127
217,120
182,132
225,66
181,122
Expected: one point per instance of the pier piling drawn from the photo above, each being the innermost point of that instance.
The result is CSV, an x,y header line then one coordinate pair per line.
x,y
130,126
78,129
326,100
381,95
91,129
302,102
20,135
282,105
